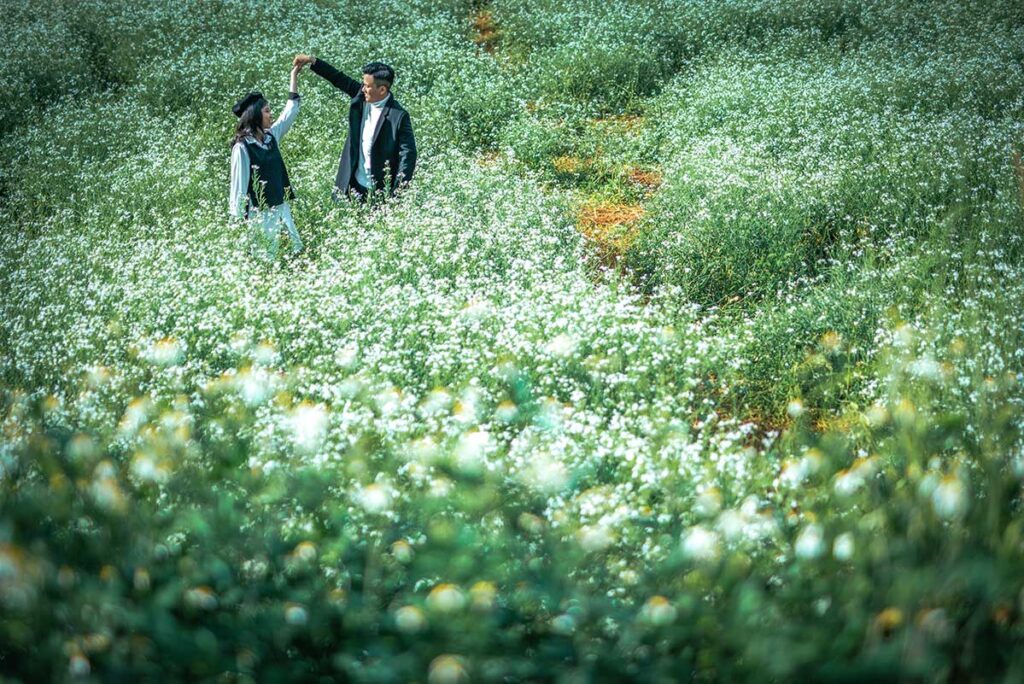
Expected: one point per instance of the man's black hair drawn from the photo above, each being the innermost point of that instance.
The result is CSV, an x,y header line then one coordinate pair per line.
x,y
381,73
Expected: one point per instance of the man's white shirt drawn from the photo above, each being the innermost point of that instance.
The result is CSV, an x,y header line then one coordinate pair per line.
x,y
372,111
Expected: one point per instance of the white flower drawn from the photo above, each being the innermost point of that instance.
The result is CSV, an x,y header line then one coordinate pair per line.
x,y
424,449
447,669
476,310
926,368
809,543
79,666
97,376
506,411
238,343
253,385
949,498
296,615
467,407
146,468
904,336
876,415
446,598
848,481
658,611
201,597
563,624
561,346
732,524
594,538
700,544
166,352
546,473
347,356
375,498
388,401
843,547
305,551
308,423
708,503
265,354
350,387
440,487
410,619
793,473
436,402
135,415
470,451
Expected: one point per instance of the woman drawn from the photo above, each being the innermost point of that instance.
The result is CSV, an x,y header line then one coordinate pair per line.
x,y
260,188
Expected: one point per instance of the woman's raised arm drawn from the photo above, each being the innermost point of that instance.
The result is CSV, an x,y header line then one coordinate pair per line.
x,y
291,110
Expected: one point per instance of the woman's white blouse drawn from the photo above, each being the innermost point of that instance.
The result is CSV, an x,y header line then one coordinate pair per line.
x,y
240,168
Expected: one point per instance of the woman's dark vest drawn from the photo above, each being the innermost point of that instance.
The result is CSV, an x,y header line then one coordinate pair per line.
x,y
268,181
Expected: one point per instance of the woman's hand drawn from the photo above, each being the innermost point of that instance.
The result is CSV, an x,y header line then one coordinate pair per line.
x,y
302,60
293,85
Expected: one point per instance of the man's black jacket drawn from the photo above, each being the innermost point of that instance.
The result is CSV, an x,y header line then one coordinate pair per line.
x,y
394,146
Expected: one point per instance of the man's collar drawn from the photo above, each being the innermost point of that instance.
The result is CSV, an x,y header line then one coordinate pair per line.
x,y
380,103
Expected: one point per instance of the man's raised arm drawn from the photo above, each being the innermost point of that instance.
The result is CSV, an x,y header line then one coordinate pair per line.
x,y
337,79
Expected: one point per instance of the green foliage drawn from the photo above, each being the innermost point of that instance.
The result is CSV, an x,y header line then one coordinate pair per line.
x,y
776,158
442,445
165,556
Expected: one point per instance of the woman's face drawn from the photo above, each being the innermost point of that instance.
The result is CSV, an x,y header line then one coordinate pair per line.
x,y
268,118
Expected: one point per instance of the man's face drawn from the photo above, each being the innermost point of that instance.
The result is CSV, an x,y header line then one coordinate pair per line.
x,y
373,91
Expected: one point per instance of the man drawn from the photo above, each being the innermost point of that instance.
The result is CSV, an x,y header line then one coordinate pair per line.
x,y
380,150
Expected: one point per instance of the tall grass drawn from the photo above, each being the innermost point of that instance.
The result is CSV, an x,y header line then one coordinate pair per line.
x,y
785,447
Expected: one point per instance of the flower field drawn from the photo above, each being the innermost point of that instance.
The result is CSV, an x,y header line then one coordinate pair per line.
x,y
694,352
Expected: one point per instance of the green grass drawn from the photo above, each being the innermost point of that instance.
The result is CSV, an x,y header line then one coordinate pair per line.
x,y
443,445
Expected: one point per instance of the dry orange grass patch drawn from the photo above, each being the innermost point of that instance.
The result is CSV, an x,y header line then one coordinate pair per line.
x,y
485,30
610,227
648,178
609,214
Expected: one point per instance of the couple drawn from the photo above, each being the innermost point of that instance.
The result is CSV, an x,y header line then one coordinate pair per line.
x,y
379,153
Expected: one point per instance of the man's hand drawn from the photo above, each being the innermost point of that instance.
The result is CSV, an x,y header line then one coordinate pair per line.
x,y
302,60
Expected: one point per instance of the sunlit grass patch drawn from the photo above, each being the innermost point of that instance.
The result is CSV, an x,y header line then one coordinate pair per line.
x,y
569,164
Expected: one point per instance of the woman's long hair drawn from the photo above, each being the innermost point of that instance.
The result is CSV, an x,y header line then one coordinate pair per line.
x,y
251,122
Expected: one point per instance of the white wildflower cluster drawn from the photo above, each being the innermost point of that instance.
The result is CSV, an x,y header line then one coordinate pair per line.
x,y
456,334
